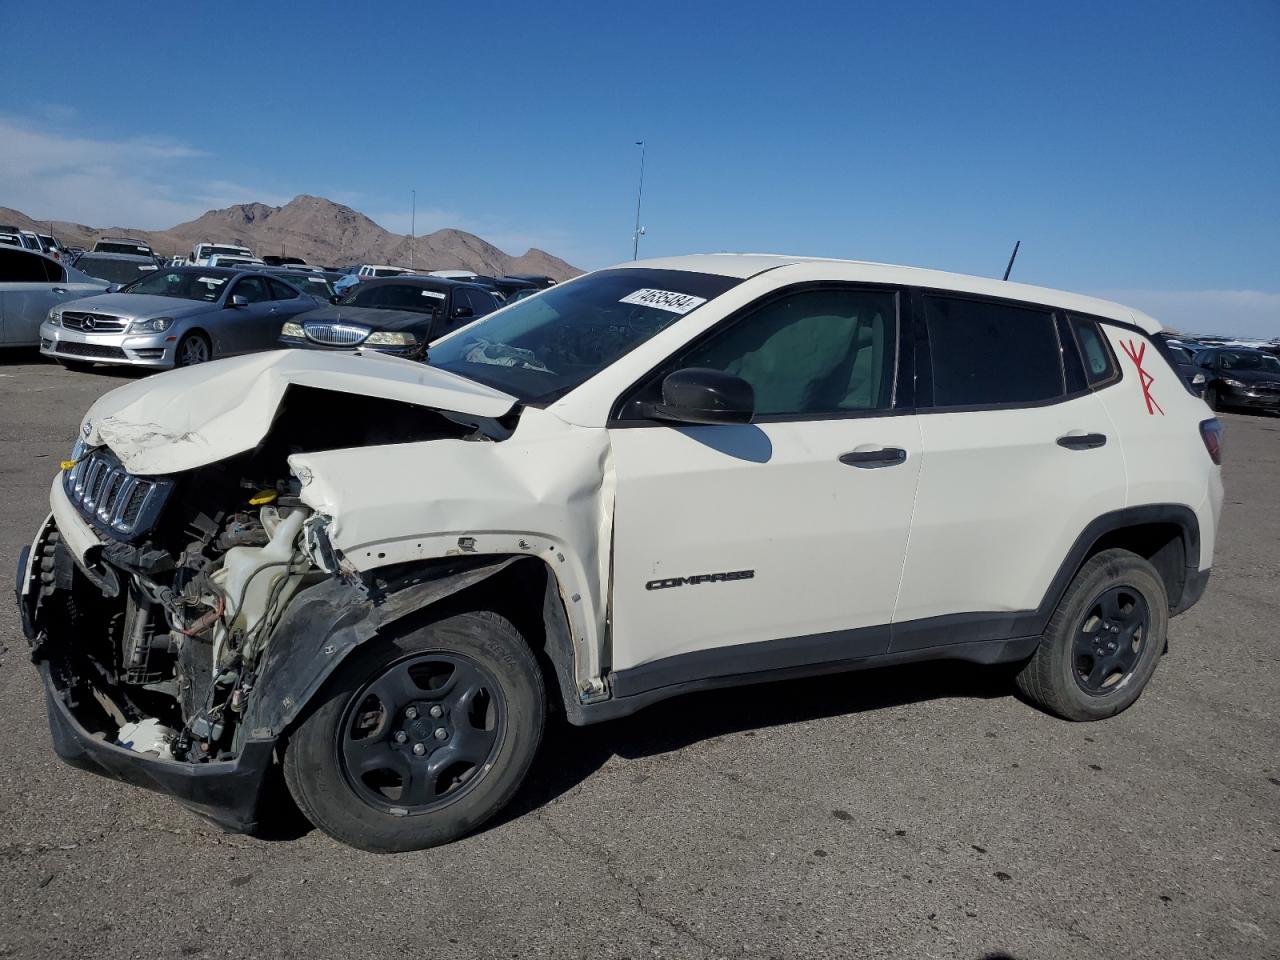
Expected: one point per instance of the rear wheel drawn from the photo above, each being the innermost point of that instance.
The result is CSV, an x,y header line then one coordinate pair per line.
x,y
1103,642
419,739
192,349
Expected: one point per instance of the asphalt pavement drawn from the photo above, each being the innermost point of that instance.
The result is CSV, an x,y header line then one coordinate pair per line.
x,y
910,812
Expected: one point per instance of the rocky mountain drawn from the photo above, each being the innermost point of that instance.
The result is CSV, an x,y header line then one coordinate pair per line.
x,y
321,232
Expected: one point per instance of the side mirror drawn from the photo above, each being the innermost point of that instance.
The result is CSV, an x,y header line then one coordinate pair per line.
x,y
697,395
459,312
239,301
112,288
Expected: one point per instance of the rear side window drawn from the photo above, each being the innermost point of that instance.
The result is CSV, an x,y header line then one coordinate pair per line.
x,y
1099,364
986,353
19,266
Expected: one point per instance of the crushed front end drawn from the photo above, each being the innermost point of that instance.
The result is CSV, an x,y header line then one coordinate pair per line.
x,y
149,602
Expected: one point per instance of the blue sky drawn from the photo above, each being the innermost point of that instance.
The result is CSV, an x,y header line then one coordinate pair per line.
x,y
1134,148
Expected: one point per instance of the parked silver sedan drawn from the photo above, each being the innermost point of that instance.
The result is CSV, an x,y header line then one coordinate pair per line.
x,y
174,317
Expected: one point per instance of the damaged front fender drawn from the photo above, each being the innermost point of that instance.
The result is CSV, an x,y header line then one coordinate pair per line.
x,y
328,621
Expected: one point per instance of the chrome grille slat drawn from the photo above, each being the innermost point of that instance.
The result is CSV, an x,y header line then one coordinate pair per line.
x,y
335,334
112,499
101,322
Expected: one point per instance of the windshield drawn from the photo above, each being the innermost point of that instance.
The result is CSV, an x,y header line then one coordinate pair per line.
x,y
114,271
212,251
135,249
396,296
316,286
192,285
540,348
1250,361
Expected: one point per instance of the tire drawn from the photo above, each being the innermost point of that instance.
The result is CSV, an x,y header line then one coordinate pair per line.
x,y
353,765
76,366
192,349
1211,398
1090,665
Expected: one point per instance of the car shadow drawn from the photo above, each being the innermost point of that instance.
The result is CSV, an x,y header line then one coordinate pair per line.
x,y
31,356
570,755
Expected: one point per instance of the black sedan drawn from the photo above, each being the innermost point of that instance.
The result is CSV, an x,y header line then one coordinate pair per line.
x,y
399,315
1240,377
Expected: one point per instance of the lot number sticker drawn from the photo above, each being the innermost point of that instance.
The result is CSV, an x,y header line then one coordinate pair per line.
x,y
664,300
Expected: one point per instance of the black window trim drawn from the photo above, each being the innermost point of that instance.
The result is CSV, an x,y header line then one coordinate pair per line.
x,y
900,399
924,389
1117,373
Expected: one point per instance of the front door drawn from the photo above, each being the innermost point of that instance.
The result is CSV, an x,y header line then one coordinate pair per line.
x,y
779,543
242,329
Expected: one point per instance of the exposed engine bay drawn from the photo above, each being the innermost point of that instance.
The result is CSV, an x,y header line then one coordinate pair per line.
x,y
157,637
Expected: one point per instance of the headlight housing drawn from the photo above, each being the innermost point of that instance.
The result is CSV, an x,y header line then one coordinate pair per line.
x,y
292,329
54,317
1233,383
387,338
154,325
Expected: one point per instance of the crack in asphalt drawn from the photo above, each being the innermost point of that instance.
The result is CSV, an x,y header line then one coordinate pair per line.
x,y
675,924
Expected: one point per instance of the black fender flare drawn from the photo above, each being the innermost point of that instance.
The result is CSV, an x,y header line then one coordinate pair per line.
x,y
324,623
1116,521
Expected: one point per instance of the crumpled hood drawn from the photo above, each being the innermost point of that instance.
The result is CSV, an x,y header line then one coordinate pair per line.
x,y
192,416
139,305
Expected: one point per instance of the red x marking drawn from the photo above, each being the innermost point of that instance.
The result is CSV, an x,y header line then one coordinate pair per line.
x,y
1136,353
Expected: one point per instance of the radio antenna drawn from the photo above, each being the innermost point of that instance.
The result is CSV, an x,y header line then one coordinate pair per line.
x,y
1012,257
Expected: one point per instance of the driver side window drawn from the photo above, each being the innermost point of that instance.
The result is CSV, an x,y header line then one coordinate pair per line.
x,y
810,352
253,289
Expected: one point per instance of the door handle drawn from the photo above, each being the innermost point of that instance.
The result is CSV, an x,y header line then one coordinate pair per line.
x,y
59,289
1082,441
883,457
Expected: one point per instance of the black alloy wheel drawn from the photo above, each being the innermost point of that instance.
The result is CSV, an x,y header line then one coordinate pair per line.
x,y
1109,643
422,733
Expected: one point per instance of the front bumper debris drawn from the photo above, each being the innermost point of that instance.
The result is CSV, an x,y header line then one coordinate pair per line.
x,y
225,792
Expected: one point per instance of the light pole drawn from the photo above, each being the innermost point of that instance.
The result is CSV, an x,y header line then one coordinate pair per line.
x,y
413,223
635,238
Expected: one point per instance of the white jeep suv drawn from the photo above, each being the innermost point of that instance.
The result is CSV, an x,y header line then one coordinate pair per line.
x,y
661,477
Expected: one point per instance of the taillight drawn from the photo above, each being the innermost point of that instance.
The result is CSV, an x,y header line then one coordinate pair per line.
x,y
1211,433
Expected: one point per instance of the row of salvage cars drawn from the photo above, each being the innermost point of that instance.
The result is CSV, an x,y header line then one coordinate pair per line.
x,y
180,316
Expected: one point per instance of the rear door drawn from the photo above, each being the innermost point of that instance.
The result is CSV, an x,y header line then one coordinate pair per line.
x,y
30,284
1019,457
740,548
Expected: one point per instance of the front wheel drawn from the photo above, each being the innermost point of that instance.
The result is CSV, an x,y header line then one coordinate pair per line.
x,y
417,740
1211,398
192,349
1103,642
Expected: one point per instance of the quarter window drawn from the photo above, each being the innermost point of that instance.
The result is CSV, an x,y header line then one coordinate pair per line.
x,y
1099,367
810,352
984,353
